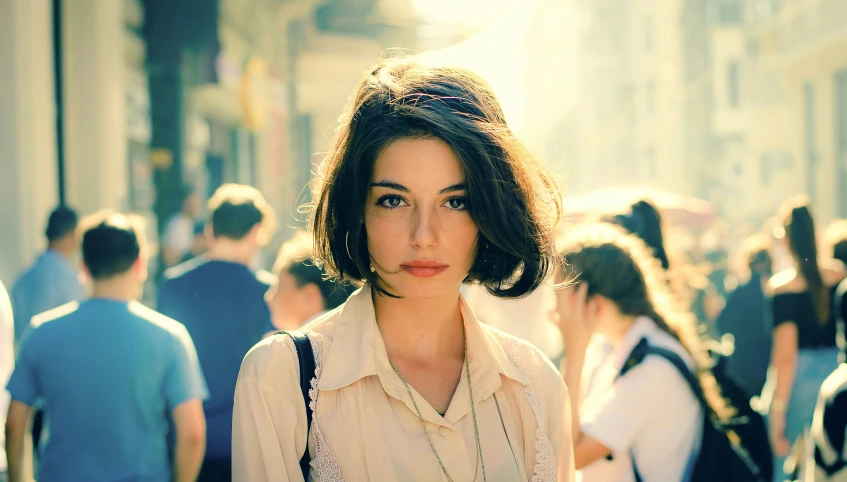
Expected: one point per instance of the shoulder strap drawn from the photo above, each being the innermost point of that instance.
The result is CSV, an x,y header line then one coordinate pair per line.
x,y
643,348
840,336
637,355
306,359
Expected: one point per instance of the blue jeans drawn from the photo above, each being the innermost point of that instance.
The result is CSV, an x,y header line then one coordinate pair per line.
x,y
813,366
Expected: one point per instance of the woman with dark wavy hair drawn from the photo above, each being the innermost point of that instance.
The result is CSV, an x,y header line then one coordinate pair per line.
x,y
804,351
424,188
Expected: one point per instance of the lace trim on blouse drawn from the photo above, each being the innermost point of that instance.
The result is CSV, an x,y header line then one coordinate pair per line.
x,y
327,465
521,357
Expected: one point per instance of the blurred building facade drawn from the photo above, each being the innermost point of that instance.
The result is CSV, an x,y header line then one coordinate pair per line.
x,y
120,104
740,102
66,117
798,55
629,116
548,107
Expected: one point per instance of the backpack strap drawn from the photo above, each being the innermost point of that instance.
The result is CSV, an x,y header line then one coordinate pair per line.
x,y
639,353
840,336
306,359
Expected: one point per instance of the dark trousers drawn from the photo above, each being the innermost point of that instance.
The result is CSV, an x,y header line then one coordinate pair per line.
x,y
216,470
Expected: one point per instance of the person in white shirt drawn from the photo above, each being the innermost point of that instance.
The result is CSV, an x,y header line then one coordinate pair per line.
x,y
7,365
178,238
649,419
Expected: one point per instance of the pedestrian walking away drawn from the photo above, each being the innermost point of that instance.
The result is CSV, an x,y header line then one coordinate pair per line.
x,y
52,280
804,351
108,370
745,318
220,300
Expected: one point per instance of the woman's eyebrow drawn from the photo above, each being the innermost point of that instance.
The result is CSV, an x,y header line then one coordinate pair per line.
x,y
461,186
391,185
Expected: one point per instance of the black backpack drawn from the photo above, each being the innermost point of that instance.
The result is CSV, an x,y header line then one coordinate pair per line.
x,y
738,451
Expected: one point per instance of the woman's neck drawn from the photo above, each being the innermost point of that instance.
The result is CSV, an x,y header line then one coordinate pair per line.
x,y
420,330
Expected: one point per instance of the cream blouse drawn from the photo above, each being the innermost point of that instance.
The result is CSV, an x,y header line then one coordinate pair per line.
x,y
365,426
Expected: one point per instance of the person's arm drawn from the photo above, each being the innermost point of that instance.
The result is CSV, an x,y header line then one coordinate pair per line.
x,y
19,442
567,463
784,363
190,426
586,450
185,390
24,389
576,319
177,240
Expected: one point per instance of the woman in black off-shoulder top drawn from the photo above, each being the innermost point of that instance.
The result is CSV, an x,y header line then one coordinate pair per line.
x,y
804,350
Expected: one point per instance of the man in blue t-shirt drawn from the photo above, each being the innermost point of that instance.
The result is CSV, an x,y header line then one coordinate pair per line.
x,y
221,302
108,370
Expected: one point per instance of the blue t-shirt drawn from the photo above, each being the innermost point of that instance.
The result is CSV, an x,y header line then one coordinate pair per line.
x,y
222,305
107,371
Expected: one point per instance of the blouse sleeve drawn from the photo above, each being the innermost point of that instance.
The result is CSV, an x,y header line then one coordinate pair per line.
x,y
269,416
782,309
566,460
558,416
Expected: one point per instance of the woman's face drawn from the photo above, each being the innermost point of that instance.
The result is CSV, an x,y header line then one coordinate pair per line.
x,y
421,238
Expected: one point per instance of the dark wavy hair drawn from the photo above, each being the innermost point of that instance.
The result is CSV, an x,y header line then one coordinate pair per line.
x,y
645,221
799,226
620,267
511,197
111,243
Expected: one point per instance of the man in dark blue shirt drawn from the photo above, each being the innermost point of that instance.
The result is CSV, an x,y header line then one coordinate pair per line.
x,y
744,317
220,300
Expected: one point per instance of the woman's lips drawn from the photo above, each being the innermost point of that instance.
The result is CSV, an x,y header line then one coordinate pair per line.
x,y
424,269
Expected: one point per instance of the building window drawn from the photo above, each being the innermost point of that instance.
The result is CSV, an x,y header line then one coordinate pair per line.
x,y
733,87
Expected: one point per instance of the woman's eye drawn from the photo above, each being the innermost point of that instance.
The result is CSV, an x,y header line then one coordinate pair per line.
x,y
390,202
457,203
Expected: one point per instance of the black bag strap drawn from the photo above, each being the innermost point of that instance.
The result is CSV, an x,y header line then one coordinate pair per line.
x,y
840,335
306,359
643,348
637,355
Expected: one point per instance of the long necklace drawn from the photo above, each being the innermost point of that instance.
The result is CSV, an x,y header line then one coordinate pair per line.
x,y
479,459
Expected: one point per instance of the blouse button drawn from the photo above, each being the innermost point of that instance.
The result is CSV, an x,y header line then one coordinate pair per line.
x,y
444,431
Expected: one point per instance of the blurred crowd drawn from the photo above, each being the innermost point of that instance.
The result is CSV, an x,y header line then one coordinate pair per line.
x,y
761,318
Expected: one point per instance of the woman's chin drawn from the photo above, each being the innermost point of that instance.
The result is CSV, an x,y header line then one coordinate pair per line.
x,y
409,287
